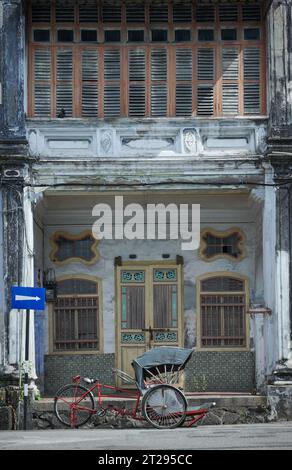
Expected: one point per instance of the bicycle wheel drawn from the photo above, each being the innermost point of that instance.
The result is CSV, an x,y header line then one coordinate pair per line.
x,y
70,408
164,406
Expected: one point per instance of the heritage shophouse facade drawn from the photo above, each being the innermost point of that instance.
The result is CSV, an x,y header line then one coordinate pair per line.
x,y
159,102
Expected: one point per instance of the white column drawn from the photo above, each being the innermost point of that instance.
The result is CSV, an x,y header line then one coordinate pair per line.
x,y
28,276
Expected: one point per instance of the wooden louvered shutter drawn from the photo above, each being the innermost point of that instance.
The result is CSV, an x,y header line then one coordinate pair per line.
x,y
88,12
206,79
135,13
112,86
65,81
41,12
65,11
251,65
137,77
182,12
159,82
230,77
42,82
89,83
184,85
158,12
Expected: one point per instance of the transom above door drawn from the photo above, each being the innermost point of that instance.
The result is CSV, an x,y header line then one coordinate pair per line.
x,y
149,310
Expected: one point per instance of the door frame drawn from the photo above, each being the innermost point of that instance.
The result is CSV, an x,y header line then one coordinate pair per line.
x,y
148,299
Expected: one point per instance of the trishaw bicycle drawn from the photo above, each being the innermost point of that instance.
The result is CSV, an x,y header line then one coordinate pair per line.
x,y
158,399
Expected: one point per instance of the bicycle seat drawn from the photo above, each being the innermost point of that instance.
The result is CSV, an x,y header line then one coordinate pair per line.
x,y
89,381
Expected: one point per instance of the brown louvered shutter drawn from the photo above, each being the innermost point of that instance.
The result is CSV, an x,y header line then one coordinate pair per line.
x,y
65,81
42,82
112,87
88,12
65,11
111,12
205,13
206,78
159,82
228,12
251,65
40,12
135,13
182,12
230,77
89,83
184,86
158,12
137,77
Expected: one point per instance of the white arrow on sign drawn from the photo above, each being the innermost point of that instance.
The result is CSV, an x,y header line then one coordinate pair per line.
x,y
26,297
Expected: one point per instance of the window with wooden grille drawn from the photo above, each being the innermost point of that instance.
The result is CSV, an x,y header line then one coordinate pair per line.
x,y
222,317
76,316
68,247
222,244
94,58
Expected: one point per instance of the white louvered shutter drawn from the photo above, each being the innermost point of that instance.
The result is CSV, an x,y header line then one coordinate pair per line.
x,y
159,82
89,83
65,81
137,89
42,82
206,77
112,85
230,77
184,86
251,65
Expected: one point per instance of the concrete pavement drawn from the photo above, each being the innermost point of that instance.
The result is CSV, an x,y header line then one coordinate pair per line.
x,y
245,436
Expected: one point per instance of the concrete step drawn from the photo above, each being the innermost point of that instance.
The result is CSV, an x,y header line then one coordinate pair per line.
x,y
228,401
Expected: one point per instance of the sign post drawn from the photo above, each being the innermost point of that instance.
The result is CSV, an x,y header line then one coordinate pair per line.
x,y
27,298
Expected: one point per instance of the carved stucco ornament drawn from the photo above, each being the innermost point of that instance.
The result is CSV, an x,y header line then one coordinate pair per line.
x,y
190,140
106,141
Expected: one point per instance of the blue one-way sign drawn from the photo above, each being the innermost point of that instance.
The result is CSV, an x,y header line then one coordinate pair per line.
x,y
32,298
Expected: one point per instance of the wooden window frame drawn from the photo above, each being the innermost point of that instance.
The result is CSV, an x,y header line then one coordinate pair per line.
x,y
51,320
222,234
171,46
199,293
74,237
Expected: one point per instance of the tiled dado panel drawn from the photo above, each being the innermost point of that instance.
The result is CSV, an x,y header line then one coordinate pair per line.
x,y
206,371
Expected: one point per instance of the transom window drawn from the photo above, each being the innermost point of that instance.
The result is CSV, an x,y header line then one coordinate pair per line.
x,y
76,316
74,247
225,244
101,59
223,321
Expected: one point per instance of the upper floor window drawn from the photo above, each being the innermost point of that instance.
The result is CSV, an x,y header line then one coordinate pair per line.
x,y
97,58
68,247
222,244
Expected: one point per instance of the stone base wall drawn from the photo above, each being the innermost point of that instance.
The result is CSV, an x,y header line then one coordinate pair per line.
x,y
59,369
280,401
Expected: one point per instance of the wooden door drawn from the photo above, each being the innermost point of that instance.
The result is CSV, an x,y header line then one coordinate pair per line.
x,y
149,310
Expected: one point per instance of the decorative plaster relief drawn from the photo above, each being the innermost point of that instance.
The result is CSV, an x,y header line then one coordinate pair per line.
x,y
190,137
147,144
106,141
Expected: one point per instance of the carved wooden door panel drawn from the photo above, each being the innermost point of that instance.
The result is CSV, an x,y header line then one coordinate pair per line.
x,y
148,310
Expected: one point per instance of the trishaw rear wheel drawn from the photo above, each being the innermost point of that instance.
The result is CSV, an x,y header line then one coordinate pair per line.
x,y
164,406
74,405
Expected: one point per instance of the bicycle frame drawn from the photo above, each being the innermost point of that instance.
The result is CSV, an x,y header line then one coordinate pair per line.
x,y
100,396
192,416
